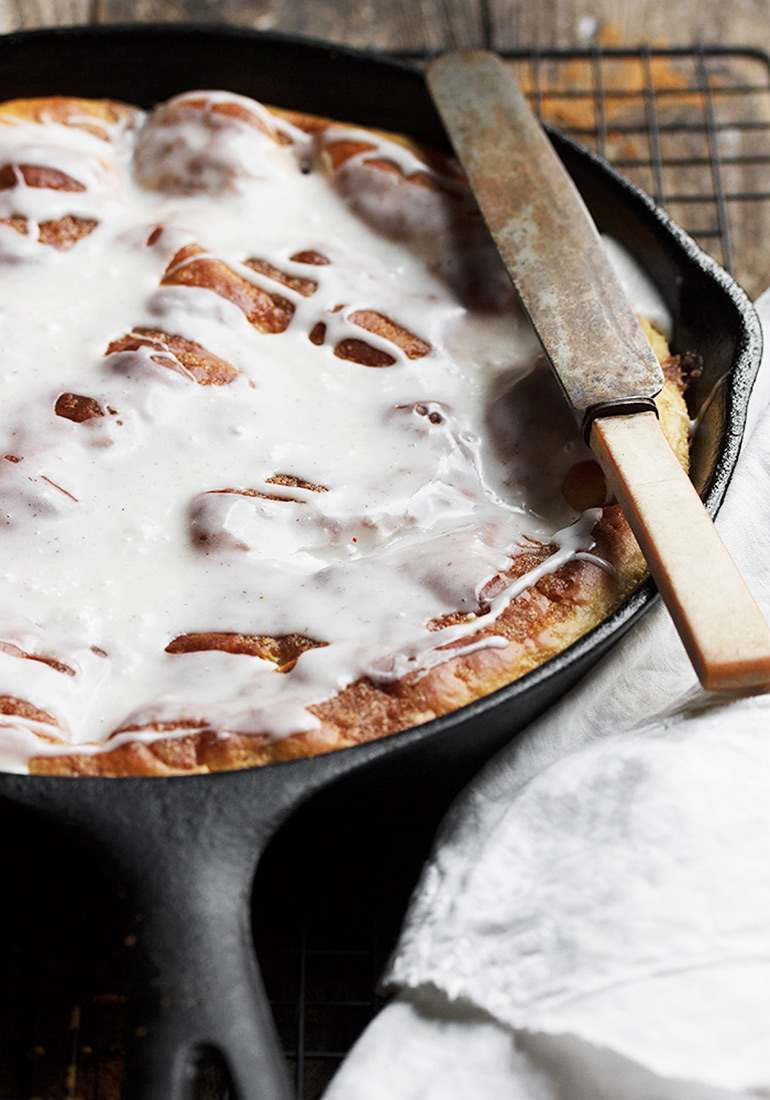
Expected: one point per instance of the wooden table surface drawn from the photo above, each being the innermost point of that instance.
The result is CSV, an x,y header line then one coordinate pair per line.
x,y
727,115
400,24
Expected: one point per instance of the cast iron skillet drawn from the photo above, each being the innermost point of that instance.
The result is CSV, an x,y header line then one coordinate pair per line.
x,y
184,850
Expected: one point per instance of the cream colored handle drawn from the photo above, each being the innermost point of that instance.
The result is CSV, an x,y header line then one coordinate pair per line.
x,y
723,630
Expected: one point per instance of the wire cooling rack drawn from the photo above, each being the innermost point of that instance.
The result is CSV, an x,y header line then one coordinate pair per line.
x,y
690,126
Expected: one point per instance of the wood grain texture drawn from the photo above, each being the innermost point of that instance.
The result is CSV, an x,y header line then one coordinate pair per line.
x,y
435,24
723,631
567,23
25,14
258,14
378,24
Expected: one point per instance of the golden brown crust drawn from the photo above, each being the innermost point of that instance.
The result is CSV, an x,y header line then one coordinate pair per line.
x,y
178,354
412,346
304,286
340,148
95,116
60,233
360,351
193,266
22,709
283,651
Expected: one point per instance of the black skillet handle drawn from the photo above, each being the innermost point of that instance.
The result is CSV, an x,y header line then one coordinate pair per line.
x,y
184,853
199,991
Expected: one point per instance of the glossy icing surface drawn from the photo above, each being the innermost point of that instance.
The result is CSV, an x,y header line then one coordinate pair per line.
x,y
277,387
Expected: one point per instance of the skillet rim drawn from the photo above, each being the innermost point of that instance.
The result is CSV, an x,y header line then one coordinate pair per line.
x,y
735,383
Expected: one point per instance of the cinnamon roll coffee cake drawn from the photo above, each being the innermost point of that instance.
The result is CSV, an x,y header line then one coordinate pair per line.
x,y
283,469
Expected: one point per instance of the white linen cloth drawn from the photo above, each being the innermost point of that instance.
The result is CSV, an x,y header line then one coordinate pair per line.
x,y
594,922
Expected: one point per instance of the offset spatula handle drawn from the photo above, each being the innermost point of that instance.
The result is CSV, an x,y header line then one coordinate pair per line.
x,y
606,367
723,630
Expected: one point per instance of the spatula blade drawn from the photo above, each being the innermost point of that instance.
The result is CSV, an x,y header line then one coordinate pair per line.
x,y
541,226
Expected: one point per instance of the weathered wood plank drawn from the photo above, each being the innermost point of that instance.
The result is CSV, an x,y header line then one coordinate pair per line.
x,y
433,24
23,14
388,24
376,24
245,13
568,23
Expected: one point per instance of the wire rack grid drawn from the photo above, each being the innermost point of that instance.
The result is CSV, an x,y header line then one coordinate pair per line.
x,y
691,127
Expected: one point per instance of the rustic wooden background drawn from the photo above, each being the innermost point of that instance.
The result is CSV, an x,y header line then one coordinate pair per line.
x,y
402,24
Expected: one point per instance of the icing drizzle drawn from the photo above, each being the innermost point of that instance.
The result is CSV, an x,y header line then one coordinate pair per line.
x,y
258,387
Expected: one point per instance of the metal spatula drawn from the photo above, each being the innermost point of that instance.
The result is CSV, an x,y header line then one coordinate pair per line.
x,y
602,358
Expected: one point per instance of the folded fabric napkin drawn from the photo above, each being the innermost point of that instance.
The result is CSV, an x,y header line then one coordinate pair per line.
x,y
594,922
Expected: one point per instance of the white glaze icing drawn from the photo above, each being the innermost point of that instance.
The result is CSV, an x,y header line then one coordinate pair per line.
x,y
115,539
